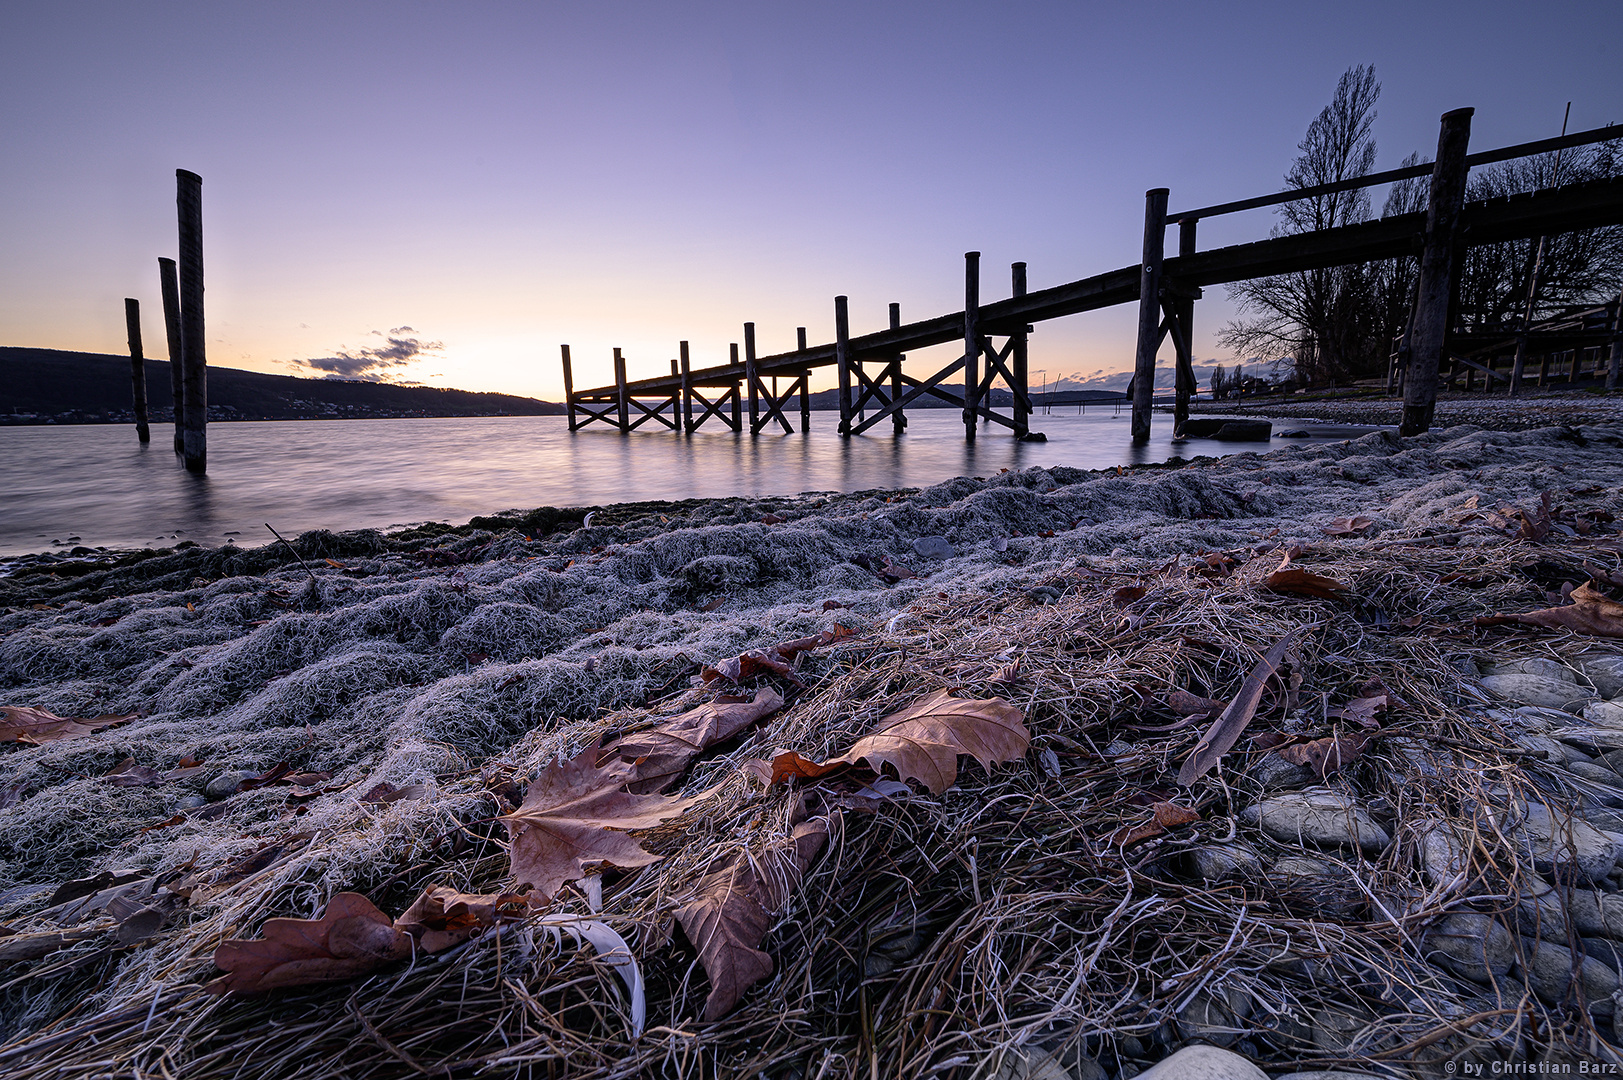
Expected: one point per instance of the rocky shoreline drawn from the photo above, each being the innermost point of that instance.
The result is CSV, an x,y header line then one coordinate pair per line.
x,y
1534,409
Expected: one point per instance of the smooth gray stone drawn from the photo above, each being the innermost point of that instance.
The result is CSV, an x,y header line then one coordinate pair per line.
x,y
1604,713
226,783
1203,1063
1274,772
1548,971
1471,946
1536,665
1318,816
1564,846
1227,862
1537,690
933,547
1605,670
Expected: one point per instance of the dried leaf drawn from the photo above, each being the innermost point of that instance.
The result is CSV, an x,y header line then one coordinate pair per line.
x,y
1009,673
350,939
1348,526
780,659
1298,582
128,774
923,741
1226,729
1184,703
735,906
442,917
1167,816
1128,595
36,727
1327,755
1591,612
660,755
386,792
1362,710
575,816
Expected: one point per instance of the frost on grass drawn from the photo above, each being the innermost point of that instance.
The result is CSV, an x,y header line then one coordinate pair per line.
x,y
435,651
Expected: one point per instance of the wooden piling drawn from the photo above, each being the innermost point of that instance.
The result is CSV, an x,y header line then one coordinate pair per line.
x,y
1613,368
687,387
972,341
138,368
842,360
1149,311
1022,377
620,386
569,388
169,285
1184,375
898,422
750,379
1436,272
805,402
189,211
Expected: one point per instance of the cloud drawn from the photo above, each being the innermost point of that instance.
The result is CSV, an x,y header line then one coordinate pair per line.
x,y
376,363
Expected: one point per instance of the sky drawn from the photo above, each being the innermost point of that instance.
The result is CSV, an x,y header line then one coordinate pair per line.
x,y
444,193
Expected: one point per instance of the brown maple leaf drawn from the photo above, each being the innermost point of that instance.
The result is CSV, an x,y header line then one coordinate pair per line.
x,y
1591,612
442,917
660,755
780,659
351,938
1348,526
575,816
1167,816
1327,755
36,727
923,741
735,906
1298,582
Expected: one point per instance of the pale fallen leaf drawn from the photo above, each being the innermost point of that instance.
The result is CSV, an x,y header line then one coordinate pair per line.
x,y
661,754
1327,755
36,727
442,917
1226,729
1591,612
351,938
1298,582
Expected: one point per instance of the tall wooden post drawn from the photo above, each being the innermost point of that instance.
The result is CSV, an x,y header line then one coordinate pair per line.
x,y
569,388
805,401
1149,312
189,209
1436,272
972,342
898,422
842,360
1612,370
1022,377
1184,377
620,385
169,285
687,388
138,368
749,377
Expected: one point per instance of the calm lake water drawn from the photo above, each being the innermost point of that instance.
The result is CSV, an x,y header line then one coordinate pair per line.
x,y
97,484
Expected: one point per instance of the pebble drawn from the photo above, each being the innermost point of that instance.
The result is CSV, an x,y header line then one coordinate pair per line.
x,y
226,783
1605,670
1549,971
1472,946
1319,816
1274,772
1537,665
1203,1063
1225,862
933,547
1564,846
1537,690
1605,713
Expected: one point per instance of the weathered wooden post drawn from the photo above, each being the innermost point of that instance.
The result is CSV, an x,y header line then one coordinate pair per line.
x,y
169,285
972,342
569,388
749,377
898,422
1149,312
687,388
189,209
1184,375
138,368
1612,370
620,385
1436,272
842,360
1022,378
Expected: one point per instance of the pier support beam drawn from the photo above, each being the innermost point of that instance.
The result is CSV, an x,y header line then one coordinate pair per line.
x,y
1022,377
1612,369
1184,335
972,342
842,360
687,388
805,401
751,379
569,388
138,368
189,210
169,286
1436,272
624,395
898,420
1149,312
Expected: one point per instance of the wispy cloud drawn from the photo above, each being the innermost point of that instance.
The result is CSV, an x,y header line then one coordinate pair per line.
x,y
375,363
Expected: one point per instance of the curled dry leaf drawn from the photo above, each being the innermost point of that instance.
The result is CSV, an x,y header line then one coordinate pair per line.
x,y
1226,729
1295,581
1327,755
1128,595
734,907
442,917
36,727
351,938
780,659
1184,703
1591,612
1167,816
660,755
1008,673
923,741
575,816
1363,710
128,774
1348,526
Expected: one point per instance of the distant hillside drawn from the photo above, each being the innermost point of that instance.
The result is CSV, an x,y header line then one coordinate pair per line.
x,y
37,385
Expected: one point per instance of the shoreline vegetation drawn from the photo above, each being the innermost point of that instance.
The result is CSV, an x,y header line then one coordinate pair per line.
x,y
1308,779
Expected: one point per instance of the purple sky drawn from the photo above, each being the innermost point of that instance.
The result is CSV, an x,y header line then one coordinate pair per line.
x,y
499,178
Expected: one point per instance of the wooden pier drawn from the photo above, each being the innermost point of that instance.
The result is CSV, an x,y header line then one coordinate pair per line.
x,y
874,386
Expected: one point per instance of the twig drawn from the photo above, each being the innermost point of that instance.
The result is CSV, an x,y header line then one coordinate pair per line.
x,y
290,548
